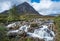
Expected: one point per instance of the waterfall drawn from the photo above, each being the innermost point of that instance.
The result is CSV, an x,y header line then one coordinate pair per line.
x,y
24,28
43,33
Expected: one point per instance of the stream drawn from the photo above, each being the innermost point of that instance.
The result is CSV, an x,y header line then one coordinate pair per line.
x,y
42,33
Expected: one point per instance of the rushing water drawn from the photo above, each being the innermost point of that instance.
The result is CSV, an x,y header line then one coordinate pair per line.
x,y
24,28
42,33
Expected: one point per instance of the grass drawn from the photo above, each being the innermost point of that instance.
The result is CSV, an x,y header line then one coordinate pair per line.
x,y
57,24
3,32
29,17
2,28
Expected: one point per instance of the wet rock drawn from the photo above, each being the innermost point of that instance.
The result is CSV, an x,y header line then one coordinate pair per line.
x,y
12,35
31,29
21,33
13,26
36,32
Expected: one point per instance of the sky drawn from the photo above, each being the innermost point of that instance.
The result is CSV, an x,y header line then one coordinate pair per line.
x,y
44,7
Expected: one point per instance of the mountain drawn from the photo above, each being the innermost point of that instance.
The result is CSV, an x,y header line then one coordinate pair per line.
x,y
53,14
24,8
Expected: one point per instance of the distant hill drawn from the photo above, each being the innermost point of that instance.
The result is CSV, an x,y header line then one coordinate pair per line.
x,y
24,8
53,14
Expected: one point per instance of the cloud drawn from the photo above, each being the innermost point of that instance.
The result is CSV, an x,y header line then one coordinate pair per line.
x,y
5,6
19,1
45,7
53,9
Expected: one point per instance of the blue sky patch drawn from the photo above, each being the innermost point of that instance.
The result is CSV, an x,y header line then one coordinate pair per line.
x,y
56,0
38,1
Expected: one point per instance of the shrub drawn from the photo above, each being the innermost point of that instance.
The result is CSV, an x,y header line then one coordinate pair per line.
x,y
3,34
34,25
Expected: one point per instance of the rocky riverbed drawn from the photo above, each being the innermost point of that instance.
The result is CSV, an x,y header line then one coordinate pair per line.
x,y
36,30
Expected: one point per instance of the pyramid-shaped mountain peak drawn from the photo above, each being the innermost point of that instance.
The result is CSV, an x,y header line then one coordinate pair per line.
x,y
25,8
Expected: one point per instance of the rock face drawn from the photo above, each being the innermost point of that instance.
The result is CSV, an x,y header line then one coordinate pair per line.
x,y
26,8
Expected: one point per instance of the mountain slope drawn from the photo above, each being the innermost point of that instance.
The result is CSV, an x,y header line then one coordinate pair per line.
x,y
25,8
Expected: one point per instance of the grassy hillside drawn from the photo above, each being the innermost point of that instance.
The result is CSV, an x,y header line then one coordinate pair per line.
x,y
57,25
4,18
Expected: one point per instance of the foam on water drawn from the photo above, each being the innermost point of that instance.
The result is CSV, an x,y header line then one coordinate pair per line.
x,y
13,31
11,25
43,33
24,28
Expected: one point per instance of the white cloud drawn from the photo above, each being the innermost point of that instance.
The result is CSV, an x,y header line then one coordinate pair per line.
x,y
40,7
53,9
21,1
55,5
45,7
5,6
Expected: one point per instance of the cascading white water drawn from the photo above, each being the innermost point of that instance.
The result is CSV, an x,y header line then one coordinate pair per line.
x,y
43,33
24,28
